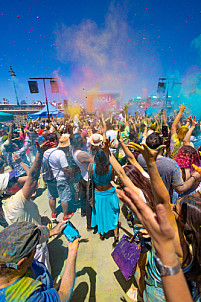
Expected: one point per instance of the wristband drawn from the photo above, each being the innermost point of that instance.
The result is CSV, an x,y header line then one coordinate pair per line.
x,y
194,177
166,270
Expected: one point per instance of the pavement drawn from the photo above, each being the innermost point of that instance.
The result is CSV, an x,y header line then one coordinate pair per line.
x,y
97,276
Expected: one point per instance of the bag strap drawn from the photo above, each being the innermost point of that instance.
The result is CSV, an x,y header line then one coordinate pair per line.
x,y
49,163
90,171
134,236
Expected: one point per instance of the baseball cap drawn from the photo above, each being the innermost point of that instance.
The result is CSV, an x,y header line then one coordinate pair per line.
x,y
18,240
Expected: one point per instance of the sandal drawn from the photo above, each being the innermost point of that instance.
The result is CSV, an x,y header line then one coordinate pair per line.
x,y
116,240
102,237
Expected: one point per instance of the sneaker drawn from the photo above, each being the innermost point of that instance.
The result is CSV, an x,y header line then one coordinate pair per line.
x,y
68,217
53,217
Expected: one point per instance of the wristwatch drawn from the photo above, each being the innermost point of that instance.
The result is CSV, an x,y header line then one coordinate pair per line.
x,y
166,270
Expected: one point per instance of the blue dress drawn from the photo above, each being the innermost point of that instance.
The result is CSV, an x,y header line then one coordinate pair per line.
x,y
105,212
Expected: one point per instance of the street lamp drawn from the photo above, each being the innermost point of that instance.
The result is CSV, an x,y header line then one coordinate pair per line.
x,y
13,75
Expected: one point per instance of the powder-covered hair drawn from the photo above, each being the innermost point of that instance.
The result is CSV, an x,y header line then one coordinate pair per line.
x,y
186,156
141,182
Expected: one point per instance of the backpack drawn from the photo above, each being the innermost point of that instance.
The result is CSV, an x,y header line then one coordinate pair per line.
x,y
46,169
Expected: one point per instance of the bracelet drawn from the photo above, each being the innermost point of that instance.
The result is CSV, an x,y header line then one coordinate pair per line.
x,y
194,177
166,270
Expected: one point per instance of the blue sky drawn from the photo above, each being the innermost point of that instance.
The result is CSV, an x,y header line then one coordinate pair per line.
x,y
121,45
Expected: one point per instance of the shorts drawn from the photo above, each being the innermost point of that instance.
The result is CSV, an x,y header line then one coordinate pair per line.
x,y
59,189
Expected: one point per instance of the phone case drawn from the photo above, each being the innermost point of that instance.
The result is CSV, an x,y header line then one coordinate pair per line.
x,y
71,232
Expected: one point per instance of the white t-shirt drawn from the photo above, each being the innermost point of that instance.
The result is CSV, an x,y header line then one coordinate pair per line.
x,y
83,166
57,161
16,208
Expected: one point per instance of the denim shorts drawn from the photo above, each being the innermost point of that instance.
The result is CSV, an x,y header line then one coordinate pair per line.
x,y
59,189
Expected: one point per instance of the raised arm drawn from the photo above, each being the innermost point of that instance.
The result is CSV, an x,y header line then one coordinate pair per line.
x,y
10,133
159,190
119,170
144,134
162,234
164,120
126,112
104,127
130,155
68,278
34,173
193,124
177,118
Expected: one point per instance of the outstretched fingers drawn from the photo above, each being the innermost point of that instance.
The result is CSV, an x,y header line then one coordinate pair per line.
x,y
161,147
135,146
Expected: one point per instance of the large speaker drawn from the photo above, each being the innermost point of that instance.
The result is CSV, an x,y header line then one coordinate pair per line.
x,y
33,86
65,104
54,86
161,86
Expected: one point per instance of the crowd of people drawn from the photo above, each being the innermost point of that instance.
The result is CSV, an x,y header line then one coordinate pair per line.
x,y
93,164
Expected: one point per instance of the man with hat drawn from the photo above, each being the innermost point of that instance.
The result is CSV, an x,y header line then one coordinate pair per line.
x,y
66,147
58,185
22,278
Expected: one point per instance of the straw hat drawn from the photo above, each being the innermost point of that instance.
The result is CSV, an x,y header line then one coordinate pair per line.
x,y
96,139
64,141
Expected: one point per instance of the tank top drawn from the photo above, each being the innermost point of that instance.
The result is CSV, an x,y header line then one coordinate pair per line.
x,y
83,166
104,179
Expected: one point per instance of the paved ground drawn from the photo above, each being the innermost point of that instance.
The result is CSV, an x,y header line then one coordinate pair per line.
x,y
98,278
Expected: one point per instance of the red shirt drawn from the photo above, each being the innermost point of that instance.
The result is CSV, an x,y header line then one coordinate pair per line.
x,y
40,131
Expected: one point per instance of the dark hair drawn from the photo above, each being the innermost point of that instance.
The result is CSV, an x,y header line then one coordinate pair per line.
x,y
154,140
52,137
76,140
102,163
12,182
109,125
141,182
133,136
191,218
122,127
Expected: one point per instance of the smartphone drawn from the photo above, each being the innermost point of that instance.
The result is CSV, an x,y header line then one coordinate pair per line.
x,y
71,232
165,131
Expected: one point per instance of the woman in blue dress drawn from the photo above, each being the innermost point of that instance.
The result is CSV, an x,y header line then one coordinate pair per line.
x,y
105,212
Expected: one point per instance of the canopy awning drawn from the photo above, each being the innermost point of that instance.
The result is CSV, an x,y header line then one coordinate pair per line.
x,y
43,113
5,117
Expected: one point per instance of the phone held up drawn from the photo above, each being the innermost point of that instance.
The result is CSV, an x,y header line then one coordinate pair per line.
x,y
71,232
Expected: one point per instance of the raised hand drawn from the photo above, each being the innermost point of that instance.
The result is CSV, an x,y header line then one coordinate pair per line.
x,y
192,121
182,108
149,154
45,146
107,145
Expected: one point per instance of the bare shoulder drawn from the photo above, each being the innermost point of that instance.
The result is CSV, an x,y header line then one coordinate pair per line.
x,y
84,156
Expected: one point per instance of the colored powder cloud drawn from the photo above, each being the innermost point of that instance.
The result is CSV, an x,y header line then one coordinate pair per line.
x,y
109,54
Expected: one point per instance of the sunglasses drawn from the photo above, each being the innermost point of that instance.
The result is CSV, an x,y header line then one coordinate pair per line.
x,y
175,210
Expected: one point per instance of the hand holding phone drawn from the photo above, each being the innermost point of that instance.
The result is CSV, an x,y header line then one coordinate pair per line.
x,y
71,232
